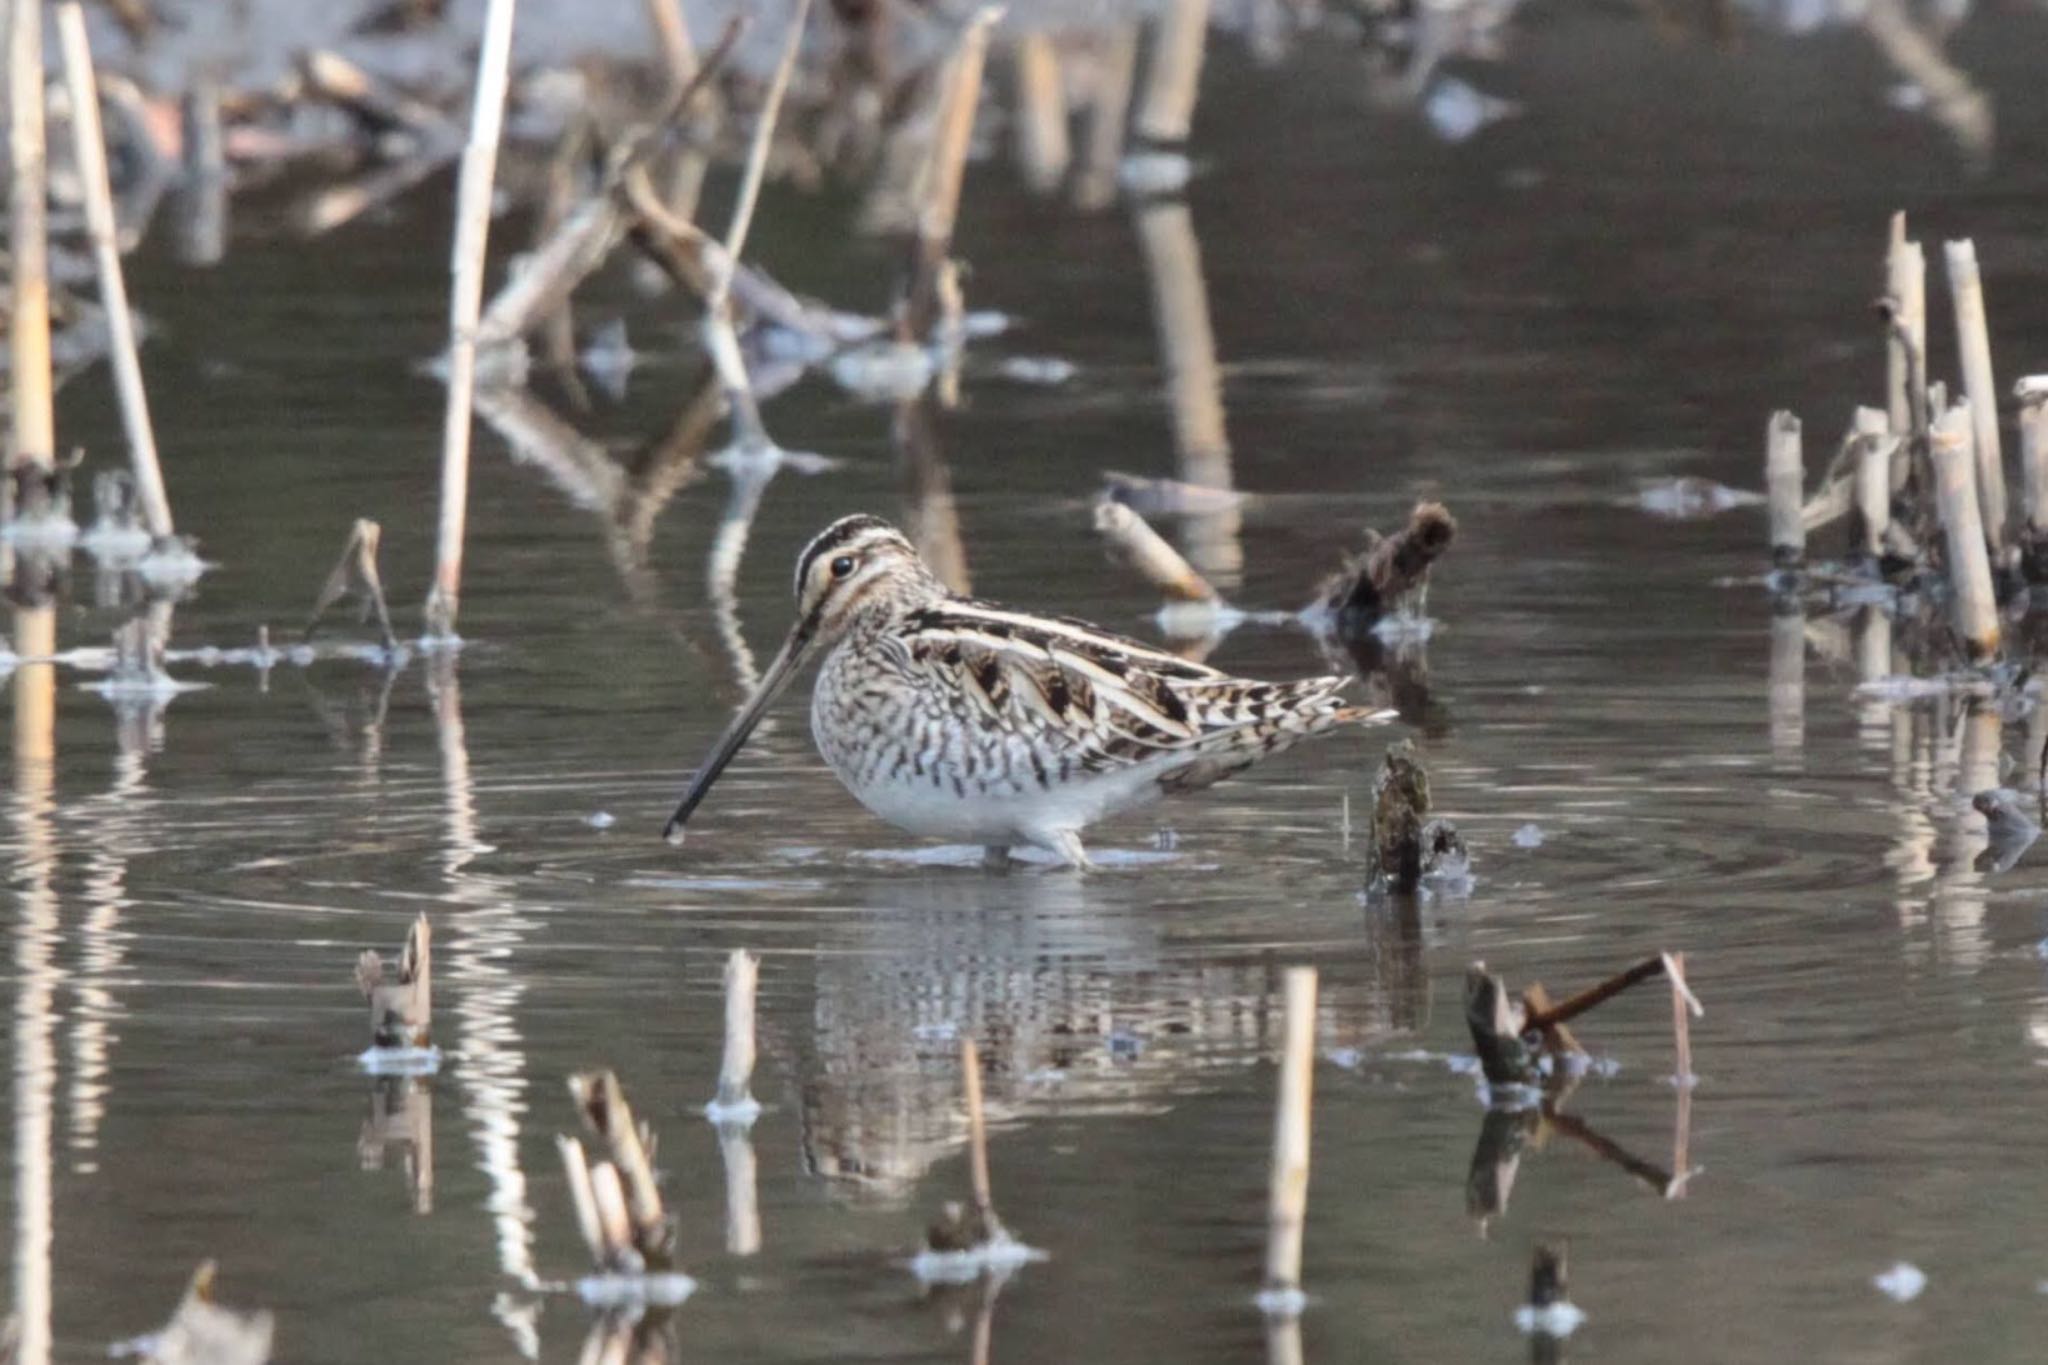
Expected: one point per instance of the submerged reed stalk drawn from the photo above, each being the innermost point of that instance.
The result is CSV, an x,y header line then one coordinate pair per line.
x,y
1287,1193
1969,565
1905,268
1973,342
472,234
28,338
90,148
735,1100
1784,484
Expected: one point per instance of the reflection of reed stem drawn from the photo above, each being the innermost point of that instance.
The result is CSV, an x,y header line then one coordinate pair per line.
x,y
483,936
977,1134
1194,382
35,964
1287,1203
742,1197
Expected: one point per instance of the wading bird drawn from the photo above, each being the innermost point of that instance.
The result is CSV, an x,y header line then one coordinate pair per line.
x,y
959,720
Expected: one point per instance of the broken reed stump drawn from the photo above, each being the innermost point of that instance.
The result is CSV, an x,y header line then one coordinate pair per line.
x,y
1874,447
1973,343
1131,541
88,145
201,1332
1374,582
944,171
1408,845
1173,78
735,1102
1785,488
1044,148
401,1000
1513,1034
618,1205
1905,308
2032,393
1969,563
968,1227
356,571
465,302
1287,1187
28,337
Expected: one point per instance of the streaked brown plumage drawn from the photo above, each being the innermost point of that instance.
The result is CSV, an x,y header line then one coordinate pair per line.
x,y
958,719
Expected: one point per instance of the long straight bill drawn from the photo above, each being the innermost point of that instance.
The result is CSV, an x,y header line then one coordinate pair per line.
x,y
795,650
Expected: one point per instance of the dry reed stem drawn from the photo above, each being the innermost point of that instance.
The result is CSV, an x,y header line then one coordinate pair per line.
x,y
1906,340
736,1068
472,234
1174,77
2032,393
1969,564
1874,447
90,149
1784,483
357,566
602,1102
1109,107
1287,1194
1973,342
615,1224
757,154
34,422
1683,1006
1044,147
672,35
576,1167
946,168
577,247
1132,541
720,340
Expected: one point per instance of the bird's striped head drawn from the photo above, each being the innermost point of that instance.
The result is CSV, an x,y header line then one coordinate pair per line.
x,y
856,565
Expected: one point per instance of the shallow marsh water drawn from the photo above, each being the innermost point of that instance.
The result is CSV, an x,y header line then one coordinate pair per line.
x,y
1618,285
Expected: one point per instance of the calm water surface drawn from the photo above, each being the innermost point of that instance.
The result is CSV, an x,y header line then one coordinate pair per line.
x,y
1618,285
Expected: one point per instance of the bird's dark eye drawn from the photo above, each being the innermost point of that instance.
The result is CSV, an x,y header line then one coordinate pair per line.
x,y
842,566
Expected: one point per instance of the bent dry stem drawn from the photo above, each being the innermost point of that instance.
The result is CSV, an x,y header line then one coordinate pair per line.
x,y
89,146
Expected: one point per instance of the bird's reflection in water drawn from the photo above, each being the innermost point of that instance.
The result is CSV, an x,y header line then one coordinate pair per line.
x,y
631,1338
1079,1001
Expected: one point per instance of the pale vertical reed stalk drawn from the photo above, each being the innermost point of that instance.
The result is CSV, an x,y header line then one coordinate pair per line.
x,y
465,302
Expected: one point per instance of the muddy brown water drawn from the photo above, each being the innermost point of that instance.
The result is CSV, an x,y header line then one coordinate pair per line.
x,y
1672,241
